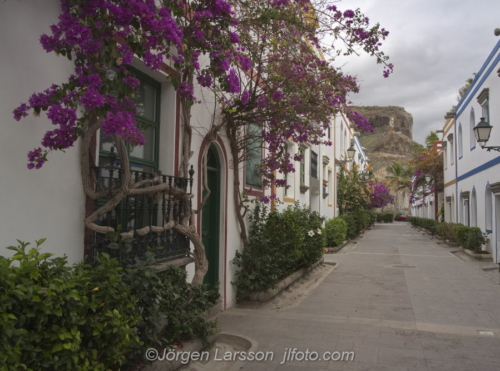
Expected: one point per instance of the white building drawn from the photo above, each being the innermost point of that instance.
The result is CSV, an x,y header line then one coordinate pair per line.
x,y
345,137
50,202
472,174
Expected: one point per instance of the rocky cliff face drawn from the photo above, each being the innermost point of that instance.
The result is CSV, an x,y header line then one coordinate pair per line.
x,y
390,142
385,119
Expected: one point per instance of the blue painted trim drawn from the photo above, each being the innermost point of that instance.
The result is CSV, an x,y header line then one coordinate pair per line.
x,y
473,93
480,168
460,157
473,148
476,78
360,149
489,231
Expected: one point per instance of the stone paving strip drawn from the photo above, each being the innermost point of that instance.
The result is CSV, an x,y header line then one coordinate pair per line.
x,y
396,298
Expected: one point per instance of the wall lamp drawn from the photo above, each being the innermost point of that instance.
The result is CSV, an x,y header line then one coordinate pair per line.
x,y
482,132
364,176
351,151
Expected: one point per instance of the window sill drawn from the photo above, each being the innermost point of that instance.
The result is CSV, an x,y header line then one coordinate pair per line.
x,y
304,188
287,199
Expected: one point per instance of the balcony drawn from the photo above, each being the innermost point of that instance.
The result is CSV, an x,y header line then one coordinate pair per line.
x,y
140,217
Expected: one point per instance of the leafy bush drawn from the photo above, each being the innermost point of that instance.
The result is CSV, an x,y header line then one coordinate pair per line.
x,y
388,217
81,317
445,230
56,317
279,243
353,229
475,239
461,233
384,217
180,314
429,224
358,221
372,217
471,238
335,232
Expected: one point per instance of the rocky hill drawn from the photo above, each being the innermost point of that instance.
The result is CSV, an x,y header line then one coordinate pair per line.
x,y
385,119
391,142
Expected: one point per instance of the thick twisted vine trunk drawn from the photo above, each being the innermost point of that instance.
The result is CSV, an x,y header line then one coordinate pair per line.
x,y
154,187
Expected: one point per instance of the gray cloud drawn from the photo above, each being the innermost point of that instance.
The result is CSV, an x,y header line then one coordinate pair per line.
x,y
434,45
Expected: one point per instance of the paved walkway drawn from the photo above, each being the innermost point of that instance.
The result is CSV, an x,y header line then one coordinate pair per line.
x,y
397,299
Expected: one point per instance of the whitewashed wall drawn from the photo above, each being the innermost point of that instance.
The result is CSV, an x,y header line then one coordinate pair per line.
x,y
48,202
476,168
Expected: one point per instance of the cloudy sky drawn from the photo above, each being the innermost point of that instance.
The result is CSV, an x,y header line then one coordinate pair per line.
x,y
435,45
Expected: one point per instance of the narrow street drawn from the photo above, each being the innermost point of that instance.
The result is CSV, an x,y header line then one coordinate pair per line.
x,y
396,298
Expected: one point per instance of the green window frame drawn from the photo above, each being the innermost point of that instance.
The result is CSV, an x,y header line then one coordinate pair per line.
x,y
314,164
253,175
303,170
147,97
144,160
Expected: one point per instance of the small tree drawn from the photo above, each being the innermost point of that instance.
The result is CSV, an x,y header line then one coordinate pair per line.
x,y
430,162
380,196
352,194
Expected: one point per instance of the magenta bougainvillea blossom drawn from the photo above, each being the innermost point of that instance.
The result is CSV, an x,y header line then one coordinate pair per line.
x,y
102,35
294,89
380,196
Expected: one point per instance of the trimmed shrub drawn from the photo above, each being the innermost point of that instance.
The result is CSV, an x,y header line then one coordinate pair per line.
x,y
475,239
445,230
461,233
471,238
279,243
388,217
352,225
372,217
429,224
335,232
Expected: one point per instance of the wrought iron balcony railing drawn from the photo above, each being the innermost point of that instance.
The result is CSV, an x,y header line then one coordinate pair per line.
x,y
135,213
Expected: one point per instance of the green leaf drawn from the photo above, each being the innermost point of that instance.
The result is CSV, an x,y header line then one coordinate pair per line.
x,y
40,241
57,347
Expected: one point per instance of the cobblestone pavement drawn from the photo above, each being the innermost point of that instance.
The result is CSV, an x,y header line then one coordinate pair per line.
x,y
396,298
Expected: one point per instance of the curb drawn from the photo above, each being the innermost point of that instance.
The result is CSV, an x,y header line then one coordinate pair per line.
x,y
486,257
268,294
332,250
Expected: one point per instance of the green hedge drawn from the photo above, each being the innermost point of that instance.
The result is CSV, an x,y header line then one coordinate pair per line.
x,y
471,238
279,243
429,224
446,230
385,217
59,317
335,232
358,221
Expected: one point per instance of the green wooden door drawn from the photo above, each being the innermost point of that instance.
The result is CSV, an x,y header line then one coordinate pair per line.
x,y
210,218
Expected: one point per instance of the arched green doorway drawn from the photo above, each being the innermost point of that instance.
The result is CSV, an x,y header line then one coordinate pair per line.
x,y
211,217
